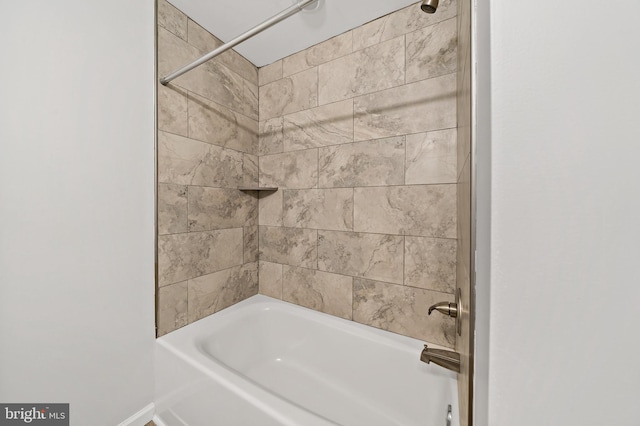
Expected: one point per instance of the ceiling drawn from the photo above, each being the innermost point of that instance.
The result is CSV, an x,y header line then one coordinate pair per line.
x,y
227,19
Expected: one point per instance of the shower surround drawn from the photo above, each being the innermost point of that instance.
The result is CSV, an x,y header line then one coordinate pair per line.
x,y
207,147
358,132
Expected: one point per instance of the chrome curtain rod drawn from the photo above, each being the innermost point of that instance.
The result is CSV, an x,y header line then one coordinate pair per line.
x,y
292,10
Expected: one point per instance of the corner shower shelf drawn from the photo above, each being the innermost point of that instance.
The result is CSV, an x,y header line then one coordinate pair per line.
x,y
256,188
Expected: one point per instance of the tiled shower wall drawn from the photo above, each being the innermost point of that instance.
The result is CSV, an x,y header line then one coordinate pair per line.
x,y
463,342
207,147
359,133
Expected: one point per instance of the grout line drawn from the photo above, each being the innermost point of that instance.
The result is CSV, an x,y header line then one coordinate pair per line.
x,y
348,232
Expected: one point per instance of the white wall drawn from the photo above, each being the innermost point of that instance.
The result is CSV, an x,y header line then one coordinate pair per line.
x,y
76,206
565,282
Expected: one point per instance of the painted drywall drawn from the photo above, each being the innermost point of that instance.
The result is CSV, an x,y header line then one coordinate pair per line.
x,y
565,202
77,206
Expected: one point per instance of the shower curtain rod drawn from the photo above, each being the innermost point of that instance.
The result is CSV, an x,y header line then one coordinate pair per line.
x,y
292,10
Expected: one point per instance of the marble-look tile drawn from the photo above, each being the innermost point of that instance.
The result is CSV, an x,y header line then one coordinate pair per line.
x,y
374,256
174,53
270,276
270,73
370,70
430,263
271,139
419,210
185,256
296,169
251,247
172,209
213,80
321,291
213,123
413,108
251,93
172,308
330,209
221,208
250,170
431,157
211,293
289,246
172,109
270,206
172,19
402,310
370,163
432,51
319,54
290,94
206,42
185,161
403,21
325,125
201,39
217,83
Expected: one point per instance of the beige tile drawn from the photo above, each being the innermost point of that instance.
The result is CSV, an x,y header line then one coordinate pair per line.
x,y
326,125
420,210
174,53
370,70
213,80
319,54
172,109
251,93
271,136
321,291
413,108
206,42
431,157
250,171
430,263
220,208
290,94
270,73
330,209
185,256
172,209
270,211
372,256
211,293
201,39
402,310
432,51
402,22
297,169
213,123
289,246
185,161
370,163
172,19
251,247
270,275
172,308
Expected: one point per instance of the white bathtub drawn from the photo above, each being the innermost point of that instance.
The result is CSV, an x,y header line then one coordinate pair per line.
x,y
266,362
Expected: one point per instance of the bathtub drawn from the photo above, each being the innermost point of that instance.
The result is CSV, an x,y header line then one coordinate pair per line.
x,y
266,362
